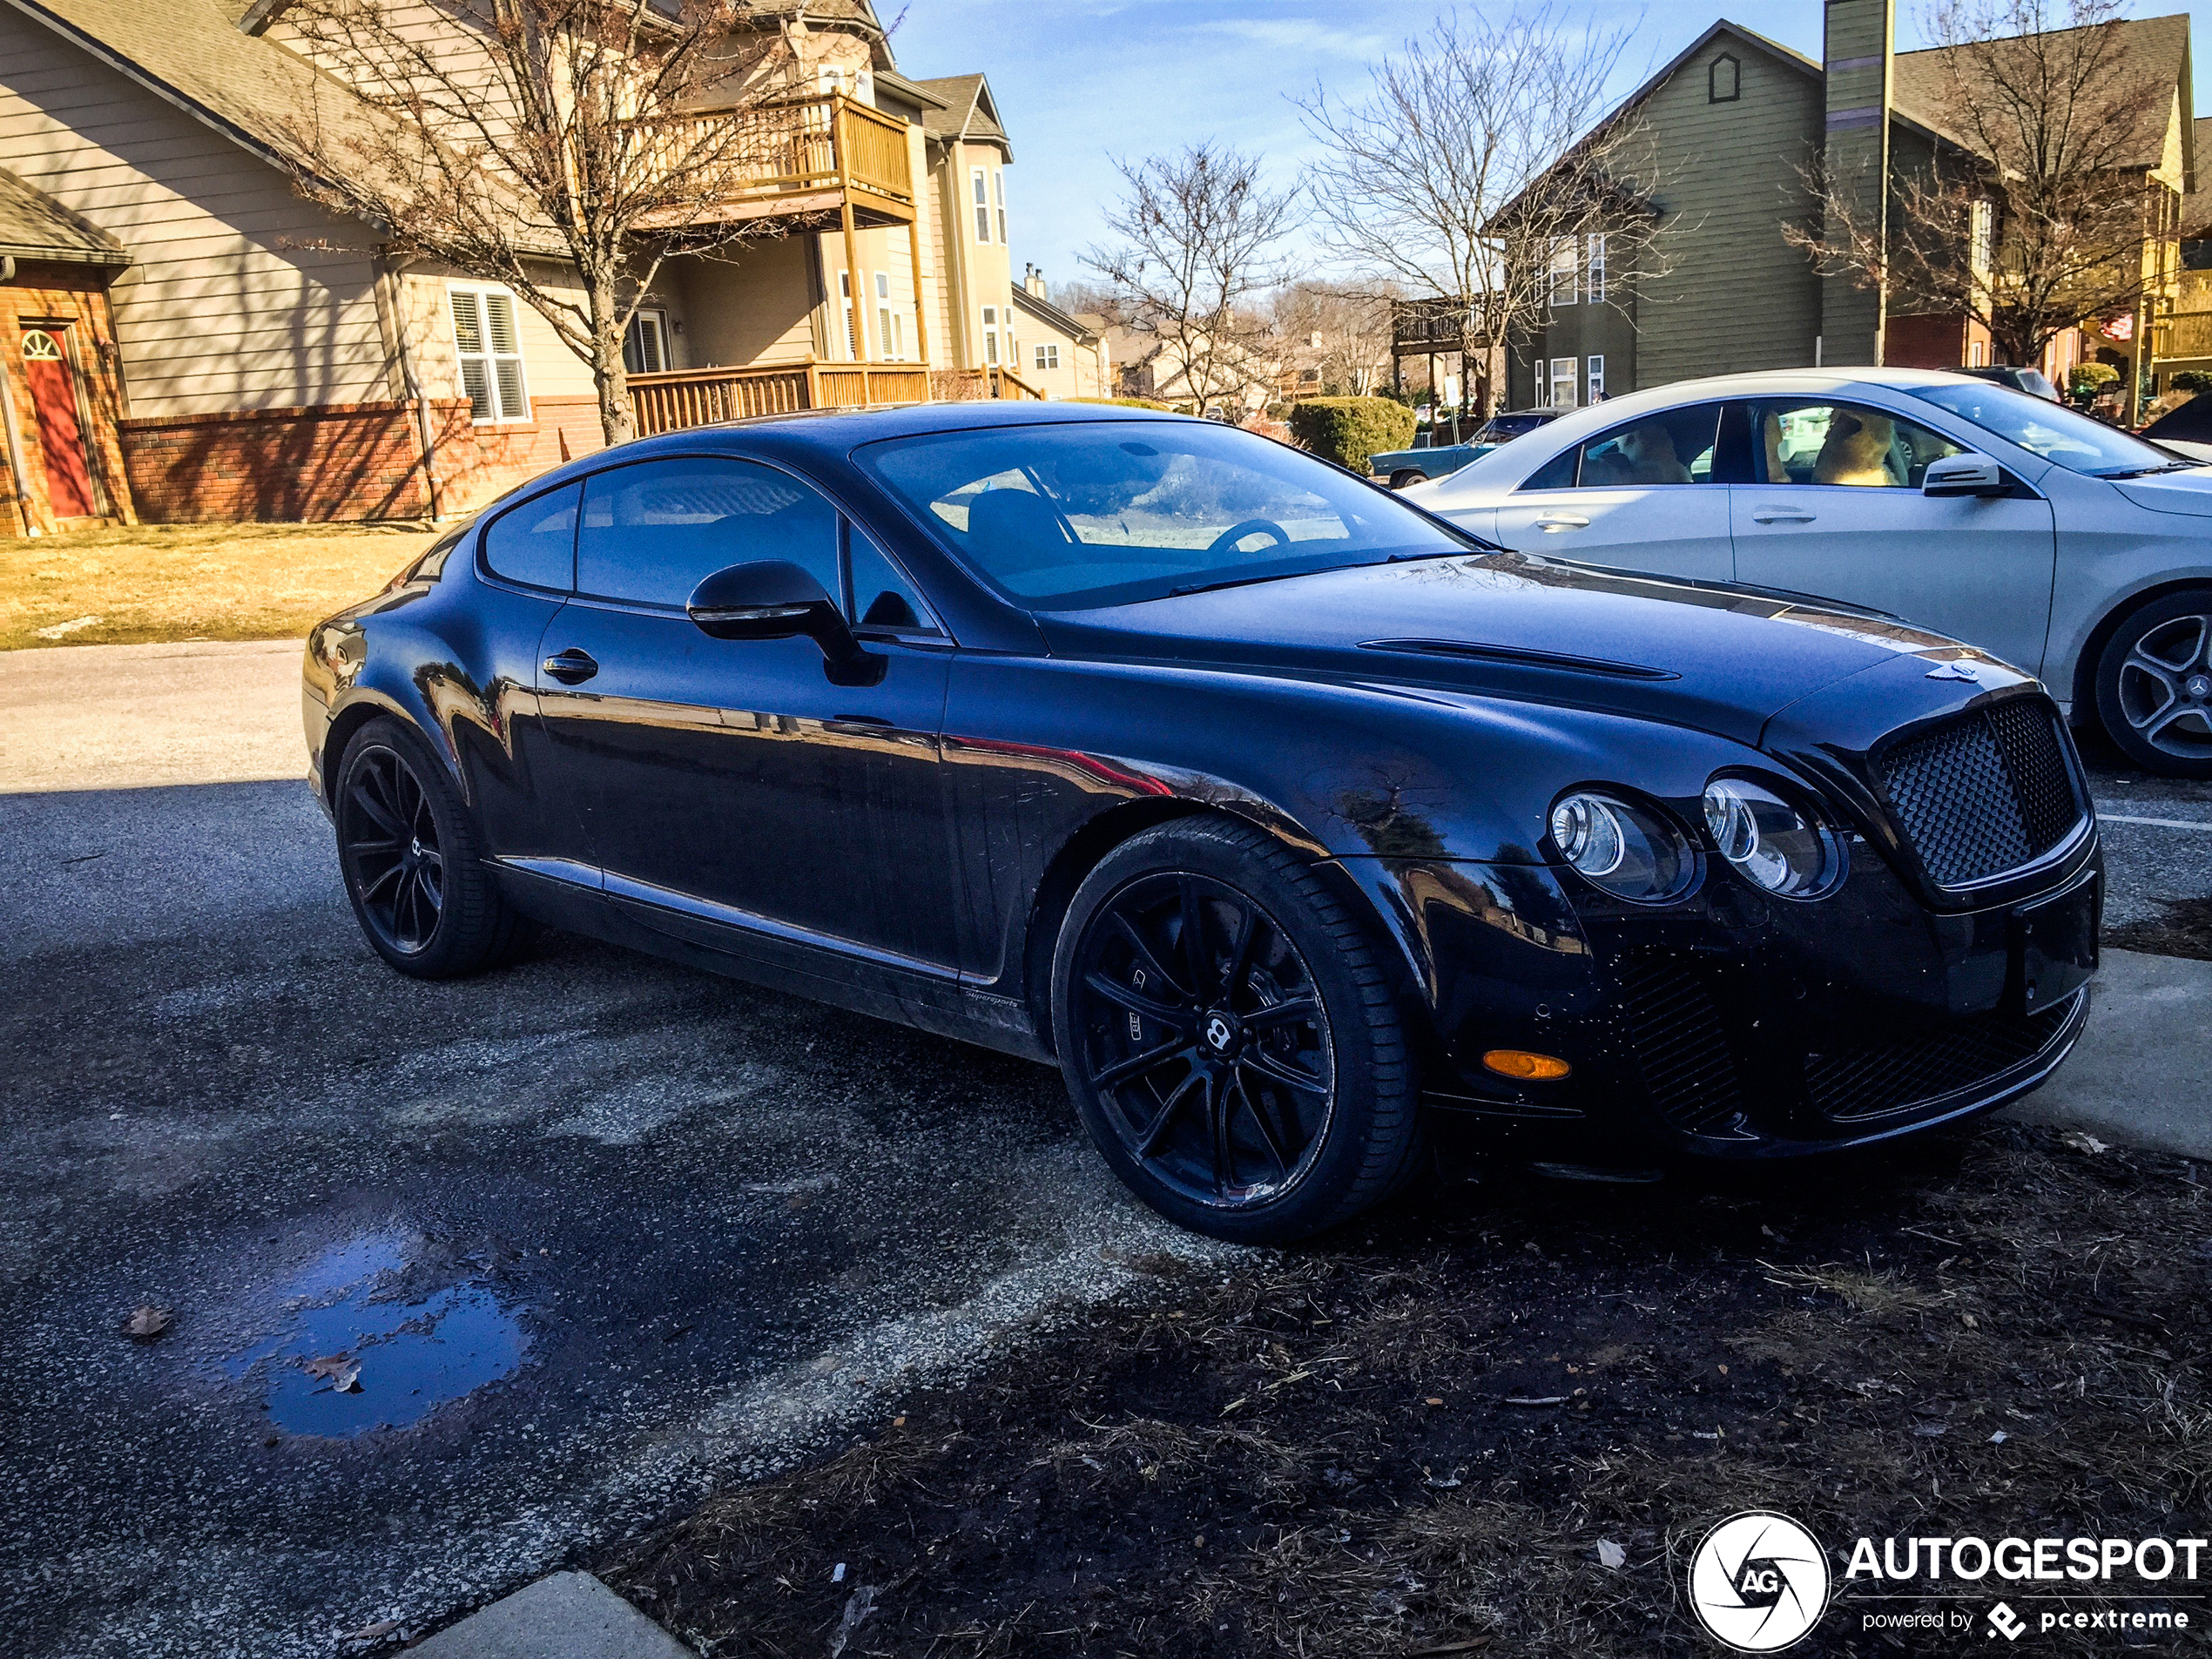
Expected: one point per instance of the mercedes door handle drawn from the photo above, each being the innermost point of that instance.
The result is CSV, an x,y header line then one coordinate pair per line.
x,y
572,667
1554,521
1782,515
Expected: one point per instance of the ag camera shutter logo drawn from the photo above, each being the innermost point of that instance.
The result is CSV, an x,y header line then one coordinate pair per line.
x,y
1758,1581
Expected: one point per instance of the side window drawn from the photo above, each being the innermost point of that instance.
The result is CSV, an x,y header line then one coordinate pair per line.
x,y
1558,473
1673,446
654,532
1844,444
878,596
536,542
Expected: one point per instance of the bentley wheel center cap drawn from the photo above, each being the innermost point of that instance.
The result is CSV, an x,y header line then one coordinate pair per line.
x,y
1220,1034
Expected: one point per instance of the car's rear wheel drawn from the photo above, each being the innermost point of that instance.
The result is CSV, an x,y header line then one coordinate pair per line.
x,y
2155,684
413,861
1231,1039
1406,475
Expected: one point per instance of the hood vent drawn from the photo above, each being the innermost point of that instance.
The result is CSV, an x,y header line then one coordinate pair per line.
x,y
1474,652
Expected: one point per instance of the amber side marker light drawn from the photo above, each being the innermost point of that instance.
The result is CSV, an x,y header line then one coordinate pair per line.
x,y
1527,1068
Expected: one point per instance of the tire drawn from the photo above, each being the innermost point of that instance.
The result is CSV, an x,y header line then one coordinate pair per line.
x,y
1406,475
2155,684
1249,1124
413,859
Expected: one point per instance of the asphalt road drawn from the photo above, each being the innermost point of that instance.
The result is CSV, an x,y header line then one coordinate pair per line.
x,y
631,1229
636,1229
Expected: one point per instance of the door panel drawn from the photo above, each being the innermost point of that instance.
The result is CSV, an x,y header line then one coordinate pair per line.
x,y
727,784
1979,570
61,436
1648,495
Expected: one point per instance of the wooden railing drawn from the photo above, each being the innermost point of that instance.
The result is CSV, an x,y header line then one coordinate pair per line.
x,y
689,397
791,147
967,385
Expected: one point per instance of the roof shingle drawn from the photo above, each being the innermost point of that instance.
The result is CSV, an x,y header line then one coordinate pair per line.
x,y
33,226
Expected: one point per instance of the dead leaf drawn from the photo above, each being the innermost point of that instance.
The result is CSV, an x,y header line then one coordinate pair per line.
x,y
1931,1431
858,1607
2082,1141
1610,1555
344,1374
147,1323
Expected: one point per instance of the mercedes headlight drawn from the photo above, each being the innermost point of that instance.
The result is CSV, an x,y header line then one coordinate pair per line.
x,y
1630,850
1776,845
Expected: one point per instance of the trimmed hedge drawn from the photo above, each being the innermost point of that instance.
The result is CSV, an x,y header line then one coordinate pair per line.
x,y
1348,430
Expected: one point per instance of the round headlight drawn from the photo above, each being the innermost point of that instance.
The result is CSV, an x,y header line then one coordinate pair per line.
x,y
1626,849
1770,840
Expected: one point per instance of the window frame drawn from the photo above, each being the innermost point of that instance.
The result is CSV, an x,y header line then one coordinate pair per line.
x,y
1048,355
1594,268
1570,378
982,194
1566,272
656,317
929,636
990,326
998,189
1734,83
1594,379
1731,462
480,294
1758,407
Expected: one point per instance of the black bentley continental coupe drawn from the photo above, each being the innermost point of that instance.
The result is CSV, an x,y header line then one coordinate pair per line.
x,y
1294,825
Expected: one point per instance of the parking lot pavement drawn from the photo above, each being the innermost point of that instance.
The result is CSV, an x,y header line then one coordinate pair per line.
x,y
633,1230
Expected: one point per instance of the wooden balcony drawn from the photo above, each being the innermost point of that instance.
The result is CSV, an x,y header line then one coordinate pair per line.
x,y
794,158
689,397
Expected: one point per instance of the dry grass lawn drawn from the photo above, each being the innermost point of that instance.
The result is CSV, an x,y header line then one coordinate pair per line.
x,y
169,581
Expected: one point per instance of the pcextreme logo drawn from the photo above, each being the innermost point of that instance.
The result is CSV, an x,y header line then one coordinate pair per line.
x,y
1758,1581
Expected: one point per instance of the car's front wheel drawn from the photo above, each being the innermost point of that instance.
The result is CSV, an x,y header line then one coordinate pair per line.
x,y
2155,684
413,861
1230,1036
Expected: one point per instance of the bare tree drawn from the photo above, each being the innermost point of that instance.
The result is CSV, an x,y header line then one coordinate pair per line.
x,y
528,141
1199,239
1460,172
2039,209
1340,330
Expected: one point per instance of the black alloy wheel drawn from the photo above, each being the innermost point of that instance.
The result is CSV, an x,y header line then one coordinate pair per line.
x,y
2155,685
412,860
1229,1036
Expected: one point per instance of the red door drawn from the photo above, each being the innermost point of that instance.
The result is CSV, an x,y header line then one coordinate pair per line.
x,y
53,392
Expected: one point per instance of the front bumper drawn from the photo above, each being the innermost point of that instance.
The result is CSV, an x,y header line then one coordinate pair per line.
x,y
1738,1026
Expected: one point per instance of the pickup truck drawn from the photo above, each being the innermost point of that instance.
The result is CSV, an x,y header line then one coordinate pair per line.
x,y
1399,468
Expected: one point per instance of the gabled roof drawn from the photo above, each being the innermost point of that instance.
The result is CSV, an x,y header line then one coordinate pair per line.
x,y
33,226
1052,316
970,112
187,52
907,91
2196,207
2153,48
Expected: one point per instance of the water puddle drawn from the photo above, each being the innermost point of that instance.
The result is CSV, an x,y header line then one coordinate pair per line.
x,y
365,1346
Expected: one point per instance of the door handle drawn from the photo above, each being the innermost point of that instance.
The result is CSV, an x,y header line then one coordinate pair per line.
x,y
1782,515
572,667
1553,521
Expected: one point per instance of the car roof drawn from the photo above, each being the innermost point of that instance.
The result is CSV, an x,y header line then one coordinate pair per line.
x,y
844,429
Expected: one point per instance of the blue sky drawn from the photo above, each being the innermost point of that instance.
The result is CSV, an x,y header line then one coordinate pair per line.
x,y
1081,80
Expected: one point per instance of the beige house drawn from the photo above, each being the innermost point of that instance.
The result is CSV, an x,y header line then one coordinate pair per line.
x,y
273,360
1061,355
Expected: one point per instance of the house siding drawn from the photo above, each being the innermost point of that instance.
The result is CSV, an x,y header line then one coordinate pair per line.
x,y
230,306
1725,201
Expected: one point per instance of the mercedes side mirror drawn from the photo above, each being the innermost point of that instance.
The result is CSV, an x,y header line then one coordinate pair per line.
x,y
1964,475
776,599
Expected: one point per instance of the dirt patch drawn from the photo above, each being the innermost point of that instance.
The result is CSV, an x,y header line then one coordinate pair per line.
x,y
170,582
1430,1437
2184,930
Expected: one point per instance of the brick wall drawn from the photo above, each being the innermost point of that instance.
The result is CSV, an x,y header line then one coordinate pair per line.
x,y
341,461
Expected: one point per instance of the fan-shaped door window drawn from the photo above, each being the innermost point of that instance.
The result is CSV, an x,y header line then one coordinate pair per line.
x,y
40,346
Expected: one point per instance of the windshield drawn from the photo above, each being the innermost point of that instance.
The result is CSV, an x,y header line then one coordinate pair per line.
x,y
1108,512
2050,430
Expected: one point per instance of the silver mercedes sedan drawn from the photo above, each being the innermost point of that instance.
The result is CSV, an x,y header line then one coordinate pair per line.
x,y
2076,551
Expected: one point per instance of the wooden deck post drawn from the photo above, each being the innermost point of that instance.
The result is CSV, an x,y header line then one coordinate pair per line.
x,y
921,304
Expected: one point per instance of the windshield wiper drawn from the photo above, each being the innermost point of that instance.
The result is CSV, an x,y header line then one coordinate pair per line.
x,y
2145,472
1247,581
1441,553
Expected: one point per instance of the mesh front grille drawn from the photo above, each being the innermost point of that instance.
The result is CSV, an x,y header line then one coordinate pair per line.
x,y
1680,1044
1984,793
1884,1078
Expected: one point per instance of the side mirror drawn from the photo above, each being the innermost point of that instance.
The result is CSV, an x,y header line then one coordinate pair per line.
x,y
776,599
1966,475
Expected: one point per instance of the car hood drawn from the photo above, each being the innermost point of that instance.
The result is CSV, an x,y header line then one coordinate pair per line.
x,y
2171,492
1506,625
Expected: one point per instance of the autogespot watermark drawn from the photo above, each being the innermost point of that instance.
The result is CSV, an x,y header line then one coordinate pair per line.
x,y
1759,1582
